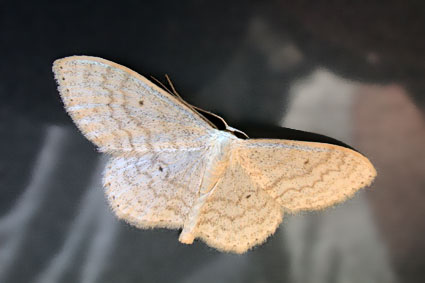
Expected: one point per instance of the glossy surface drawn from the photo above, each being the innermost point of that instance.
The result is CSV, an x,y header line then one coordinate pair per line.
x,y
351,71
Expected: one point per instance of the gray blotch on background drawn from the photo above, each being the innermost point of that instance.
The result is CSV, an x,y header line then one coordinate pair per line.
x,y
340,244
14,225
92,214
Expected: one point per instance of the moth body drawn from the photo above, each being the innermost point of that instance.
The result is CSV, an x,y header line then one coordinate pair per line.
x,y
218,160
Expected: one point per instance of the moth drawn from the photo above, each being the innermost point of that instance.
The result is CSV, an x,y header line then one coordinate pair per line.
x,y
170,167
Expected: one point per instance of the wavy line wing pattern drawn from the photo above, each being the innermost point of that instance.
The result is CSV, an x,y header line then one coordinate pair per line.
x,y
305,175
239,214
154,190
121,111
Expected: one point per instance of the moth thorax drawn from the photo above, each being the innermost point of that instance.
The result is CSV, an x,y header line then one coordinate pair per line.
x,y
217,163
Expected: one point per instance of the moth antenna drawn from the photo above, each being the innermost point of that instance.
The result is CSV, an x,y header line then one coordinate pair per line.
x,y
177,95
161,84
172,87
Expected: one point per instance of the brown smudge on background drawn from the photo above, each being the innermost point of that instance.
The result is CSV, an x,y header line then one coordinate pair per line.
x,y
390,130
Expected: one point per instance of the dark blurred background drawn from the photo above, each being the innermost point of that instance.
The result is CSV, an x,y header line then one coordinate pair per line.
x,y
353,70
